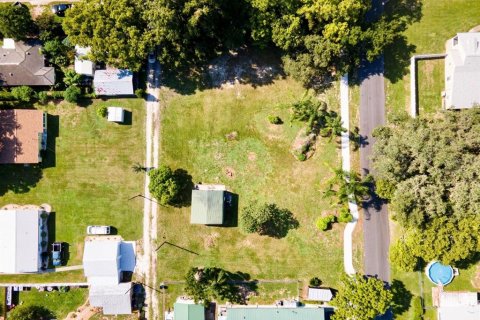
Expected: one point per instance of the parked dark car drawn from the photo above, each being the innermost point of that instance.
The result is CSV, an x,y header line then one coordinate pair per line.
x,y
57,254
59,9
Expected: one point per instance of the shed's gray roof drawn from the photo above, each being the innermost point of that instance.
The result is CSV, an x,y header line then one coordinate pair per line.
x,y
462,71
101,261
25,65
19,241
113,82
270,313
207,207
114,299
319,294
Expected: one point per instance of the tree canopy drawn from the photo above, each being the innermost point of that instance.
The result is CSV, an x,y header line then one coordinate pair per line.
x,y
429,170
15,21
267,219
322,38
361,298
211,283
29,312
189,32
115,30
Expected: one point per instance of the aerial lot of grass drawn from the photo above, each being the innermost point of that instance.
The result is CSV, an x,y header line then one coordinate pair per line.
x,y
87,179
256,165
441,20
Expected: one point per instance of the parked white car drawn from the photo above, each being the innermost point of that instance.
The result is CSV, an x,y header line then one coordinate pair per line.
x,y
98,230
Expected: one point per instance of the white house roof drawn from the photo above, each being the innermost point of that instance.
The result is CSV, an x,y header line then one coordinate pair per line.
x,y
19,241
458,305
101,261
114,299
317,294
462,71
82,65
113,82
115,114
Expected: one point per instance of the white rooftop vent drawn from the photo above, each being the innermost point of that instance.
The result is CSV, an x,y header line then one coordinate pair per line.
x,y
8,43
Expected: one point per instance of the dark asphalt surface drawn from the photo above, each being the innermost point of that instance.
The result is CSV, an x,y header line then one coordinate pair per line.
x,y
376,228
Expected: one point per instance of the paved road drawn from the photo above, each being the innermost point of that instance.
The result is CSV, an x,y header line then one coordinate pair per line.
x,y
376,228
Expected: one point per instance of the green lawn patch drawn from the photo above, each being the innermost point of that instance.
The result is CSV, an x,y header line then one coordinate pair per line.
x,y
441,20
87,178
223,136
60,303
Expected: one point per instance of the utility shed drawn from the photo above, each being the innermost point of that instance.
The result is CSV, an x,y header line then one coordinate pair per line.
x,y
319,294
115,114
82,65
188,311
272,313
113,82
115,299
207,207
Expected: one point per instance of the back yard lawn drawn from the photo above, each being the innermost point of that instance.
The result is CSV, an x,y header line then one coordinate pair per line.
x,y
87,177
441,20
222,136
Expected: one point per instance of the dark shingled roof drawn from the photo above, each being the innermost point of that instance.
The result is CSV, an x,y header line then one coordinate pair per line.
x,y
24,65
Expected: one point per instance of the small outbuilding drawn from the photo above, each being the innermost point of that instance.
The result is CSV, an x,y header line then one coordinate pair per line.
x,y
82,64
113,82
208,206
188,311
319,294
115,114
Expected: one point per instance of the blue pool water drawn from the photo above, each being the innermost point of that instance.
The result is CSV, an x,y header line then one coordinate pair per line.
x,y
439,273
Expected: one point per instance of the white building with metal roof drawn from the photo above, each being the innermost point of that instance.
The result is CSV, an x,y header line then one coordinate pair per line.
x,y
462,71
113,82
319,294
105,260
82,64
20,241
458,305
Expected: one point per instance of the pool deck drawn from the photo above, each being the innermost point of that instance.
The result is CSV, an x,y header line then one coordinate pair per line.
x,y
436,296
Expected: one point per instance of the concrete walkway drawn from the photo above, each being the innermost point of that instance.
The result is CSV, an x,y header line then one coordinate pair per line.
x,y
352,205
65,269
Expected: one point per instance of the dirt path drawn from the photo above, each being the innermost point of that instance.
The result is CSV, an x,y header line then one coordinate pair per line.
x,y
147,264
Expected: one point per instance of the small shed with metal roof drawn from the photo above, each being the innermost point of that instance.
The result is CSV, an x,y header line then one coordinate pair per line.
x,y
319,294
275,313
208,207
188,311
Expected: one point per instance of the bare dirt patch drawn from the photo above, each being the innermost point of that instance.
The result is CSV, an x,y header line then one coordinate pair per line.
x,y
210,240
476,279
252,156
229,172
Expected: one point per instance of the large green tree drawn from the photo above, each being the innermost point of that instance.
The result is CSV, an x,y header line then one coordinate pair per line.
x,y
267,219
163,185
29,312
361,298
431,167
15,21
322,38
115,30
189,32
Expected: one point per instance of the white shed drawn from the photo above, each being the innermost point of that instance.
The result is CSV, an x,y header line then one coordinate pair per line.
x,y
115,114
82,64
319,294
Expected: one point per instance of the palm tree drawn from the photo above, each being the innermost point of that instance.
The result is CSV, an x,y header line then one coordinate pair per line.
x,y
332,126
347,186
71,78
137,167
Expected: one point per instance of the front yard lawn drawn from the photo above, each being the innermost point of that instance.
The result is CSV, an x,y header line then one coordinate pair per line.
x,y
441,20
87,177
223,136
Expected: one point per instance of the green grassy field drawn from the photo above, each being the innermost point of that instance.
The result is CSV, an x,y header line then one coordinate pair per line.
x,y
87,177
193,138
441,20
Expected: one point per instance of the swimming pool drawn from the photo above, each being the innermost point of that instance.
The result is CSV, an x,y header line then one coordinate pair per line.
x,y
439,273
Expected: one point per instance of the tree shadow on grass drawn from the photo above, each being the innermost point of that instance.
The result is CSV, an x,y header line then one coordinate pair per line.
x,y
243,66
280,225
18,178
184,197
401,297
